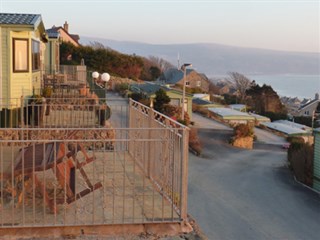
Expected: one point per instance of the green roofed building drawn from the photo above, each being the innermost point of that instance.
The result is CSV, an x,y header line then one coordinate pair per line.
x,y
150,89
232,117
316,163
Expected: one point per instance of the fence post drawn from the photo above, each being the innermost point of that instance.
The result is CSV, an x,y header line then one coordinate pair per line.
x,y
21,111
184,174
130,133
150,144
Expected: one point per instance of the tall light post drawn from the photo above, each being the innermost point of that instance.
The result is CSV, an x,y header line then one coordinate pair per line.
x,y
184,68
95,76
105,77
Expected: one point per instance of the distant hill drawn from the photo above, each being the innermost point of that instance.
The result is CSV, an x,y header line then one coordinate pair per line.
x,y
216,59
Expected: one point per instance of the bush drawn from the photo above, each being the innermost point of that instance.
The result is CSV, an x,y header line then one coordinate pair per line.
x,y
160,100
275,116
194,141
136,96
47,92
306,121
295,140
121,87
175,112
300,158
243,130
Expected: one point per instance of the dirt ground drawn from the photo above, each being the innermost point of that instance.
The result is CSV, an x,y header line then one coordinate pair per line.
x,y
196,234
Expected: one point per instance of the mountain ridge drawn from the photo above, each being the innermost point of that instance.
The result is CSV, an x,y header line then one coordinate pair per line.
x,y
218,59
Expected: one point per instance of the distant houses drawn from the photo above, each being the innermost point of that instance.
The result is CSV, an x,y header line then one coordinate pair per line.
x,y
65,35
302,108
173,77
309,108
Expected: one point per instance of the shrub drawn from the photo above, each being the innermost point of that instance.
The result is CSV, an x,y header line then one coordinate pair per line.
x,y
175,112
136,96
47,92
275,116
300,158
194,141
160,100
295,140
121,87
243,130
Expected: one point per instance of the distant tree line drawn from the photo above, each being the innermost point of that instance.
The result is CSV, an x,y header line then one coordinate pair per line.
x,y
99,58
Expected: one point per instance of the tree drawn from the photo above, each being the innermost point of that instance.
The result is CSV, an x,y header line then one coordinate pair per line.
x,y
162,64
264,100
213,88
160,100
241,84
155,72
101,59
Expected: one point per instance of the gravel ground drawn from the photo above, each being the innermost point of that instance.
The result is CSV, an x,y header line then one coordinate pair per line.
x,y
196,234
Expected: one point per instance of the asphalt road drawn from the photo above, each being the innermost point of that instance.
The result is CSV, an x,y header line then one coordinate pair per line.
x,y
248,194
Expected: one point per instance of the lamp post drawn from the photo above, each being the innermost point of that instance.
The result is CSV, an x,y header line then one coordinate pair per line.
x,y
95,76
105,77
184,67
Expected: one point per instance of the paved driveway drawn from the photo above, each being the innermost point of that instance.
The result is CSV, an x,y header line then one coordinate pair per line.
x,y
268,137
248,194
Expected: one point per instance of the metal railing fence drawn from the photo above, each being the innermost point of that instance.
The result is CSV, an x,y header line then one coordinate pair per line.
x,y
131,170
168,161
61,112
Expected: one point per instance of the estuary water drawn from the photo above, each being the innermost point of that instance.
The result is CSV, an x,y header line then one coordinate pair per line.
x,y
301,86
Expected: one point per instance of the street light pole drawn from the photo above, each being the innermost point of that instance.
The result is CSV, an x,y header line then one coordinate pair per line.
x,y
184,68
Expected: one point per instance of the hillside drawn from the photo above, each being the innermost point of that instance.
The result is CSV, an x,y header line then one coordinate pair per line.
x,y
215,59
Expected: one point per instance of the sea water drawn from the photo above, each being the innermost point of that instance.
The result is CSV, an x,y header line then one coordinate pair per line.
x,y
301,86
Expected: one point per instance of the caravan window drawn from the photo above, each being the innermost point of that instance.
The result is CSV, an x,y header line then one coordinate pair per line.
x,y
20,55
35,51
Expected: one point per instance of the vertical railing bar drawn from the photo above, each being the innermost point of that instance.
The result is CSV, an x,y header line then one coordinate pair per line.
x,y
76,178
104,173
55,185
165,175
113,185
33,182
124,186
172,172
180,157
94,178
13,187
133,190
23,190
66,166
144,184
2,177
44,188
184,179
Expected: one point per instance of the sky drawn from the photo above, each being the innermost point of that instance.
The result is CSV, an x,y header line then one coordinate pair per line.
x,y
287,25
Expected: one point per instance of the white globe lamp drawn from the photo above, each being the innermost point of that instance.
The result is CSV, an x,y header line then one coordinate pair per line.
x,y
105,77
95,75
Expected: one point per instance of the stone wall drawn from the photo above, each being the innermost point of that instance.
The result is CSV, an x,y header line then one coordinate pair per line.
x,y
245,142
101,136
